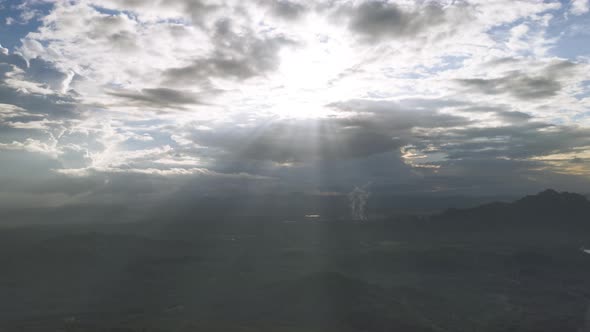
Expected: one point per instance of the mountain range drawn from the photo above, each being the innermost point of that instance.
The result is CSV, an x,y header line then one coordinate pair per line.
x,y
547,208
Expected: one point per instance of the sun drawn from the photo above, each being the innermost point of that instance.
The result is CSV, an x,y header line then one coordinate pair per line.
x,y
309,75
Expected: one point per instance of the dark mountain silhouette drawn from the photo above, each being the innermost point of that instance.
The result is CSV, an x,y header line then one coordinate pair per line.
x,y
549,207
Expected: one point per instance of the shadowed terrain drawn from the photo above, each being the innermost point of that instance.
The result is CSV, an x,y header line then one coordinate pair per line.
x,y
497,267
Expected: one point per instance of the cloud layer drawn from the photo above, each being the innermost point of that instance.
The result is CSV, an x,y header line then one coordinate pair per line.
x,y
128,100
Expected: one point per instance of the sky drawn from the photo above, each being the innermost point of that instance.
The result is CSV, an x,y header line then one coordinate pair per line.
x,y
135,102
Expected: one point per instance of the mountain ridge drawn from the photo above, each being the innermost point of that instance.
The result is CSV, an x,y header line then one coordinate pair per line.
x,y
548,205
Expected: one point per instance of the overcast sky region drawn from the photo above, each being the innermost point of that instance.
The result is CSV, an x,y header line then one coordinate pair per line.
x,y
137,101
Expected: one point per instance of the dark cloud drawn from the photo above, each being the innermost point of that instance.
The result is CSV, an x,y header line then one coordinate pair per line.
x,y
467,156
285,8
236,56
220,65
364,128
503,113
378,20
367,148
517,84
401,115
513,116
294,141
158,97
521,84
517,141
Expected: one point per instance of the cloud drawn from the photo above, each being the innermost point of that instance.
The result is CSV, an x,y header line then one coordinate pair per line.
x,y
543,83
31,100
402,114
32,145
287,9
158,97
361,129
11,112
8,58
376,21
33,109
118,50
519,141
512,117
289,94
579,7
379,20
46,74
236,56
518,84
194,10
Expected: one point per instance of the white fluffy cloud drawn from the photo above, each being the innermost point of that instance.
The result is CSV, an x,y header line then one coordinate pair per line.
x,y
579,7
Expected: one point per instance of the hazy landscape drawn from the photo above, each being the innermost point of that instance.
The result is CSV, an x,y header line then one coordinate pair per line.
x,y
295,165
515,266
